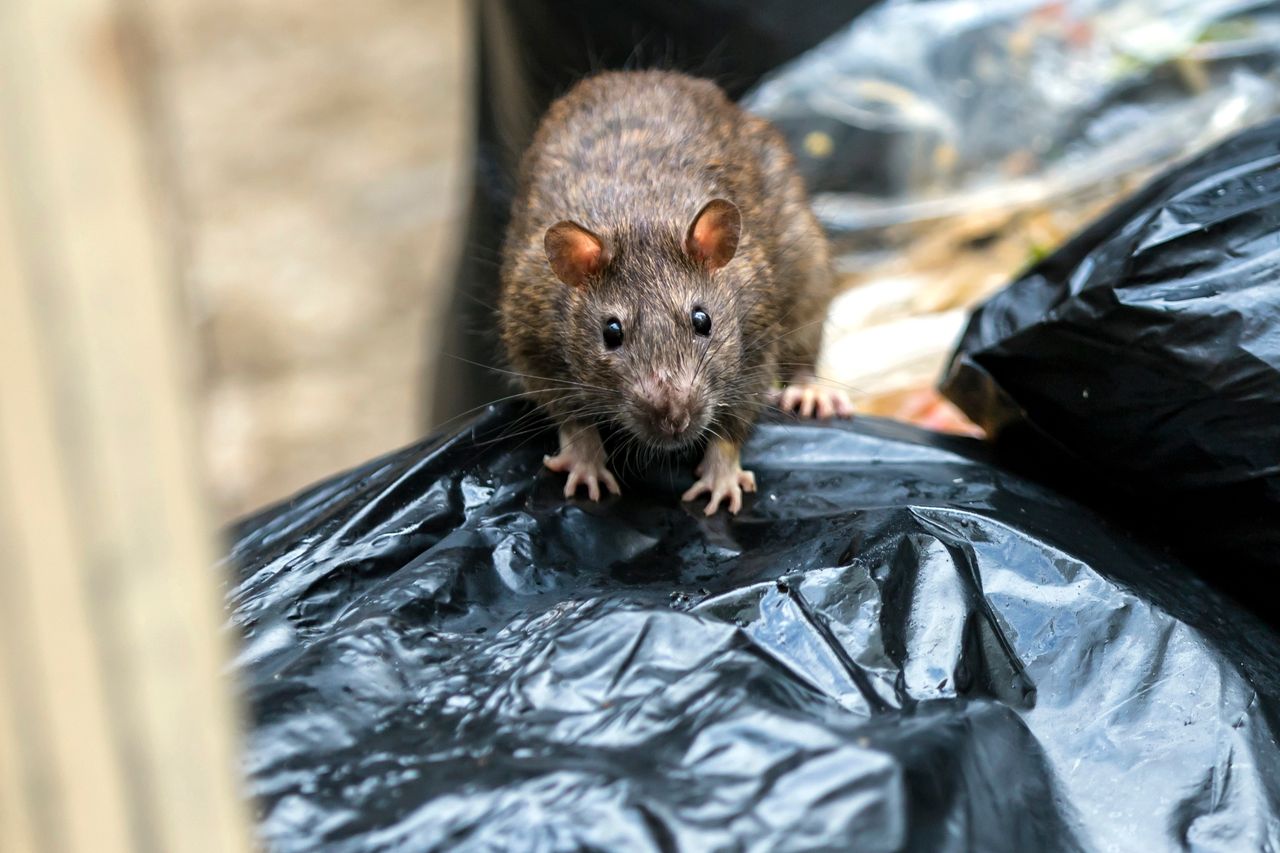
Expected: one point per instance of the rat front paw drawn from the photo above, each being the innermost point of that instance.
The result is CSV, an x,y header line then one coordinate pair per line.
x,y
582,457
582,471
809,399
721,483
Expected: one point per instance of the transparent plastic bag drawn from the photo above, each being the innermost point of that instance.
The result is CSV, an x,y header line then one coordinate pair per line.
x,y
920,110
950,144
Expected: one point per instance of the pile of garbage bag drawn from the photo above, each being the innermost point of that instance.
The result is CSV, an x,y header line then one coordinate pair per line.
x,y
1139,366
897,645
906,640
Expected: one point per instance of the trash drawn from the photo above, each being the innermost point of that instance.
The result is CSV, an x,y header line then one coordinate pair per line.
x,y
896,646
944,107
949,144
1139,366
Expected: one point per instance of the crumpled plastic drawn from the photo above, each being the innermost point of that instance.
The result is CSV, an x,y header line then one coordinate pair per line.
x,y
924,109
1139,366
897,645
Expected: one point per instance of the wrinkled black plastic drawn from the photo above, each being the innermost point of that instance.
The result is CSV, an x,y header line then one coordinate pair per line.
x,y
1139,366
895,646
531,51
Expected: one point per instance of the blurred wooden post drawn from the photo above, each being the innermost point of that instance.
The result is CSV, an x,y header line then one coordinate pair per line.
x,y
116,722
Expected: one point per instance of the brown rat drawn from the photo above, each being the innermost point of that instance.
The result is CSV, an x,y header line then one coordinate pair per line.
x,y
663,271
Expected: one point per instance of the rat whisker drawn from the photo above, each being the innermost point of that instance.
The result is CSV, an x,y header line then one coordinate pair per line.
x,y
825,381
794,330
558,382
463,415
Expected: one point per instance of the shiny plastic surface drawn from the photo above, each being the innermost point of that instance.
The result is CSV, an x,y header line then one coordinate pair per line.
x,y
896,646
1139,366
922,110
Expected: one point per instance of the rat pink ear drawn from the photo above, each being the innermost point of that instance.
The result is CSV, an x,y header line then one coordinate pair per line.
x,y
574,252
713,234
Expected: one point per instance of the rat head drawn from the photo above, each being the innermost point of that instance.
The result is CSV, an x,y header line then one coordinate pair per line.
x,y
653,320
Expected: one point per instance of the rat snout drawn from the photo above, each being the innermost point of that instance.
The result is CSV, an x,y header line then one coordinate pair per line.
x,y
674,421
667,409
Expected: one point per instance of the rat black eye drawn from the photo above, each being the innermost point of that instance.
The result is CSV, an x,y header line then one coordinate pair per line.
x,y
701,322
613,333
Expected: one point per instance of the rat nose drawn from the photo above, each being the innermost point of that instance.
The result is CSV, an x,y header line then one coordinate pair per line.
x,y
668,409
673,423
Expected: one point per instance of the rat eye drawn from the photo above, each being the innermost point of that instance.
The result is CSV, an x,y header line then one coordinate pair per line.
x,y
701,322
613,333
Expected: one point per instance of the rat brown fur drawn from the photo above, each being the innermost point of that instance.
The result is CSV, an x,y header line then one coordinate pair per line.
x,y
662,271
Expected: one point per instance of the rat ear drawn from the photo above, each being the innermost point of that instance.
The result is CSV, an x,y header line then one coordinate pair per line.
x,y
713,234
575,253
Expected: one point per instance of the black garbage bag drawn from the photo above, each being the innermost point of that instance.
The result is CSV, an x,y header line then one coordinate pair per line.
x,y
1139,366
895,646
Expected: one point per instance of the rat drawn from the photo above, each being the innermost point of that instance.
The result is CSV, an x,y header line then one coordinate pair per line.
x,y
662,273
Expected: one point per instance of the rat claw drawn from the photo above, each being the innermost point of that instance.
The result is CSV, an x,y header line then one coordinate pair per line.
x,y
713,503
733,493
582,457
695,490
571,486
844,406
789,398
809,399
720,476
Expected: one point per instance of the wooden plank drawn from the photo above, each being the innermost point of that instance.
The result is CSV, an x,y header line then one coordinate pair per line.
x,y
117,726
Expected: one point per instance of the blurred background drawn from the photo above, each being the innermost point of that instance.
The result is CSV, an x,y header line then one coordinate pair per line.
x,y
318,153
